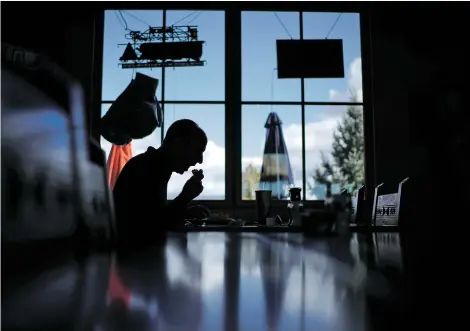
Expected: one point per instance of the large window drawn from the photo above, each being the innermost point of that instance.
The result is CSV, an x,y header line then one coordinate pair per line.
x,y
330,110
194,92
321,119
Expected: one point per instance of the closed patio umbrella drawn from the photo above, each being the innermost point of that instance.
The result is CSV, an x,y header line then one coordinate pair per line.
x,y
117,159
276,172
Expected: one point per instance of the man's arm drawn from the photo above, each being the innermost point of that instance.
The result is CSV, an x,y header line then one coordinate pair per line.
x,y
179,206
176,210
152,217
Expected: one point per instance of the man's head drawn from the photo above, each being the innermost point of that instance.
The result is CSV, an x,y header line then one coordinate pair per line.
x,y
187,143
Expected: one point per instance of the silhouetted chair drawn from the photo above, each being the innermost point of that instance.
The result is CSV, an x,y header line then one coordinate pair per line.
x,y
97,197
40,105
388,209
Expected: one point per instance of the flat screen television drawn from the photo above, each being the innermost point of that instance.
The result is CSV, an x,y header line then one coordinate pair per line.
x,y
311,58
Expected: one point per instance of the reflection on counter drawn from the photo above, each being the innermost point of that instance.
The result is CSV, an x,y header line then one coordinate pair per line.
x,y
388,249
202,281
65,294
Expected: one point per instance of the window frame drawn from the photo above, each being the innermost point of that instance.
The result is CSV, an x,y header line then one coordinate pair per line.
x,y
233,100
212,204
302,103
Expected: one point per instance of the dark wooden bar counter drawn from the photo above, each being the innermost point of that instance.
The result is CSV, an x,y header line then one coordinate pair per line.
x,y
214,281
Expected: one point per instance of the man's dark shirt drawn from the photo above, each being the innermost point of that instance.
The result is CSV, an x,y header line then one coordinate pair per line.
x,y
140,198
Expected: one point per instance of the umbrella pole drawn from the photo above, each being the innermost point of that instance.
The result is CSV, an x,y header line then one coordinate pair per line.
x,y
278,177
277,167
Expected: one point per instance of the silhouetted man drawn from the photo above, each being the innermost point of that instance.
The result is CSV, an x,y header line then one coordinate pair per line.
x,y
140,193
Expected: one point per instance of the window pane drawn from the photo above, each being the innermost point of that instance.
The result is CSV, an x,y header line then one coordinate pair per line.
x,y
116,79
347,28
211,118
254,135
260,30
138,145
206,82
337,133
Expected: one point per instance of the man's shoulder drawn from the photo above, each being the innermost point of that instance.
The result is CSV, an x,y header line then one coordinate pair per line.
x,y
143,162
138,159
136,163
134,170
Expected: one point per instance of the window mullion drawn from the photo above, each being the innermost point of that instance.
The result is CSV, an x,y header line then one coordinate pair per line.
x,y
162,131
302,99
233,87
